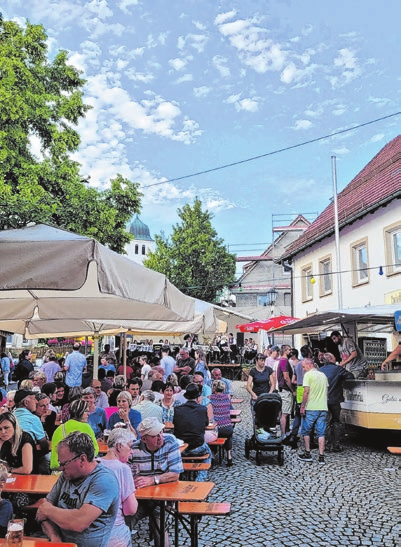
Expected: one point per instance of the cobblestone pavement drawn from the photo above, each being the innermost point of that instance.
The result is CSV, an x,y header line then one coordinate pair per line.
x,y
352,500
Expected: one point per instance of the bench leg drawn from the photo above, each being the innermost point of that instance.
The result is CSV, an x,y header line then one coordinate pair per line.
x,y
194,531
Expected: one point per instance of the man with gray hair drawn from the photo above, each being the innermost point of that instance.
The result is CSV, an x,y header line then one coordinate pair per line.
x,y
147,406
82,506
155,459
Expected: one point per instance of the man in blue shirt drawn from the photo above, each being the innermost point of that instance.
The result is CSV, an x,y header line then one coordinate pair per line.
x,y
74,365
83,504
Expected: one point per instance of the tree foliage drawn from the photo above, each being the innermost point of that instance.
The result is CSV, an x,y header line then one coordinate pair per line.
x,y
41,101
195,259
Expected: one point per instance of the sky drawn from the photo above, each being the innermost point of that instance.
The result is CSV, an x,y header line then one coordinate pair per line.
x,y
179,87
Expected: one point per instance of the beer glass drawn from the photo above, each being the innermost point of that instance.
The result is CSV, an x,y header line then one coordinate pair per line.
x,y
15,533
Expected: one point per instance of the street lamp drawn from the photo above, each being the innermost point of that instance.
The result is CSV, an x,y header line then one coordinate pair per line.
x,y
271,298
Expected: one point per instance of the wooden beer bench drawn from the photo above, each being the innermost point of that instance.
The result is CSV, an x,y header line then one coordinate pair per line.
x,y
193,467
220,444
197,510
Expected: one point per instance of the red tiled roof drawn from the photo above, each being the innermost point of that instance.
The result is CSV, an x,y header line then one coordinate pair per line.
x,y
378,183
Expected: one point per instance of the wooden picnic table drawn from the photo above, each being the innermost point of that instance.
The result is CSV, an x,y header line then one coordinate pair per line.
x,y
31,484
394,449
234,412
236,401
174,492
170,426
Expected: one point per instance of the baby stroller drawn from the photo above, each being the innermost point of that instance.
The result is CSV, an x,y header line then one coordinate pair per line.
x,y
265,436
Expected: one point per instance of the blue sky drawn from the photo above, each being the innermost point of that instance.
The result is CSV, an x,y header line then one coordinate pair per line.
x,y
182,86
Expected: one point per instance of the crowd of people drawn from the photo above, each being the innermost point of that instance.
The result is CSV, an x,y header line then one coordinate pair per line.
x,y
310,384
54,421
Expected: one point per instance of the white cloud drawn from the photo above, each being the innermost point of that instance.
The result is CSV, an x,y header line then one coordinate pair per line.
x,y
100,8
199,25
195,41
341,151
125,4
178,64
153,115
380,101
202,91
136,76
184,78
378,137
249,105
302,124
220,63
223,17
339,110
254,49
347,63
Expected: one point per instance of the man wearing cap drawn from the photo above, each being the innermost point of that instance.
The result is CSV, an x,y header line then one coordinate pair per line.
x,y
185,364
74,365
154,459
190,422
25,406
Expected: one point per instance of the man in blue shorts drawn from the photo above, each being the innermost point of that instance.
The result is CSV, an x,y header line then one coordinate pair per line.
x,y
313,408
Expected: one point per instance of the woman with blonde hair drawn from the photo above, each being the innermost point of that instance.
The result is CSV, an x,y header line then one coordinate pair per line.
x,y
17,447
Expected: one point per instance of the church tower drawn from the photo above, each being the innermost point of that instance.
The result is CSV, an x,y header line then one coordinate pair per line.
x,y
138,248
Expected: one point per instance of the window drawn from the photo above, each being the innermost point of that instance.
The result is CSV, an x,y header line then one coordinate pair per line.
x,y
287,299
143,249
325,280
360,262
136,249
392,245
307,287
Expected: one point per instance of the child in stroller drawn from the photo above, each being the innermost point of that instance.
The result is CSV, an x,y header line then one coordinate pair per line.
x,y
266,436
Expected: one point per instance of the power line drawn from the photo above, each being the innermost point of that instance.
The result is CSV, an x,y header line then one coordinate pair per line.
x,y
298,145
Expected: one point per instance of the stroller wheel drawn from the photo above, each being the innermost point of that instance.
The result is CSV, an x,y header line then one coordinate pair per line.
x,y
247,448
280,456
258,462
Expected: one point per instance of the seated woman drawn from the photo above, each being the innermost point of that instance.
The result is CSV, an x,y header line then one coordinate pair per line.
x,y
128,416
47,416
6,508
221,403
79,413
97,416
119,450
74,394
168,403
17,447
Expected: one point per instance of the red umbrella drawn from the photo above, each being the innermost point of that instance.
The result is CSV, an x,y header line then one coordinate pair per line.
x,y
267,324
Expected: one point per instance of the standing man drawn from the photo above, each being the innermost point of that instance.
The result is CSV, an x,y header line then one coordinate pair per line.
x,y
285,386
185,364
74,365
83,504
336,375
216,375
167,362
351,356
314,409
110,356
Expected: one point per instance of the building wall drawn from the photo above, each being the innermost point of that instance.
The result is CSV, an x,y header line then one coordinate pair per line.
x,y
138,244
374,290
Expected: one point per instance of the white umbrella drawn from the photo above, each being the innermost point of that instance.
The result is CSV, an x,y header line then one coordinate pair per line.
x,y
51,274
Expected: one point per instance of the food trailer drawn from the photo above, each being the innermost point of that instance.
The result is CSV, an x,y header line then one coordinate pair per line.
x,y
369,403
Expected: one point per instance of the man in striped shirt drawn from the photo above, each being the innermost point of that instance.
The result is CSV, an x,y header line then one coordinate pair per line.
x,y
154,459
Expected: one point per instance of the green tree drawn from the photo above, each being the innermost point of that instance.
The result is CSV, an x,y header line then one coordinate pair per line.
x,y
43,99
195,260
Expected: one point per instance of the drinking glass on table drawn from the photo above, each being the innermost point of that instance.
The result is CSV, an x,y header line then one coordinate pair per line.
x,y
15,533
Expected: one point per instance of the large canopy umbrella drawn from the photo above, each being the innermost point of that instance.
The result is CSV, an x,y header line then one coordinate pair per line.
x,y
51,274
267,324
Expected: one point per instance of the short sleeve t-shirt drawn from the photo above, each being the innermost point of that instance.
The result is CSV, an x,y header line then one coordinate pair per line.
x,y
318,386
283,366
126,482
100,489
16,461
145,371
261,380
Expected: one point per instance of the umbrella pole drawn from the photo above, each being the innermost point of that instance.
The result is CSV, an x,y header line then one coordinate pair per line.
x,y
95,355
124,350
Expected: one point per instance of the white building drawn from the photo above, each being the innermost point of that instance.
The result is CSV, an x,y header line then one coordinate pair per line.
x,y
137,250
369,212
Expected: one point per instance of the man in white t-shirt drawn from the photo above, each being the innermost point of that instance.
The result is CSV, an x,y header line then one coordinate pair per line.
x,y
272,361
167,362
